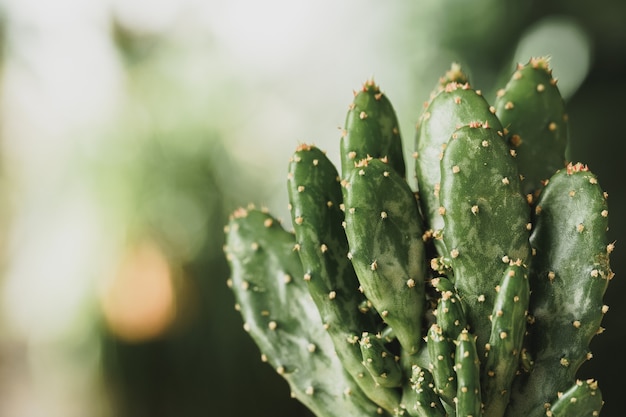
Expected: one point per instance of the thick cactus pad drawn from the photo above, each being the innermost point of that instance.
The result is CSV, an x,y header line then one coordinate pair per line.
x,y
456,106
569,275
371,130
486,219
386,247
581,400
532,112
278,313
315,199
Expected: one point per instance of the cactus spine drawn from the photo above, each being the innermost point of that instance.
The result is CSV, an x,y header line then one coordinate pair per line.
x,y
476,296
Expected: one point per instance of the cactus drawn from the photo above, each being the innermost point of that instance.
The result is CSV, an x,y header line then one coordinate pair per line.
x,y
532,111
476,295
282,319
371,130
479,195
386,247
456,105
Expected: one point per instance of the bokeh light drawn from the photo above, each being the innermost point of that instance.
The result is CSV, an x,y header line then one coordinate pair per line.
x,y
139,299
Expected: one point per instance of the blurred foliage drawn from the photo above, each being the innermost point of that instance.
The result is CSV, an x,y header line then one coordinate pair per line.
x,y
204,361
169,176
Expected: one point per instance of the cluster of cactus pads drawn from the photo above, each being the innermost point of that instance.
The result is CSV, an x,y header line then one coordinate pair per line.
x,y
477,295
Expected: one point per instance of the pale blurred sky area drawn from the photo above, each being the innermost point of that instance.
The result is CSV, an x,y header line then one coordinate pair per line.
x,y
262,76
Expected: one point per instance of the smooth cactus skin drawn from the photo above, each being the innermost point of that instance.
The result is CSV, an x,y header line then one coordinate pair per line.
x,y
505,343
457,105
315,199
371,130
581,400
347,310
569,275
283,320
532,110
386,247
486,219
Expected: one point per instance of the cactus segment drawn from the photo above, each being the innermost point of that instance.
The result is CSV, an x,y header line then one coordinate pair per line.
x,y
532,110
283,320
450,314
581,400
441,352
505,343
457,105
486,219
371,130
419,398
315,198
380,362
569,275
467,366
386,247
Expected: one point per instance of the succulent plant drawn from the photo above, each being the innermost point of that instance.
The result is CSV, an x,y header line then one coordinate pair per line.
x,y
477,295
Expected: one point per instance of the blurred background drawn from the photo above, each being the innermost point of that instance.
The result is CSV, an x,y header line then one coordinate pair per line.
x,y
130,129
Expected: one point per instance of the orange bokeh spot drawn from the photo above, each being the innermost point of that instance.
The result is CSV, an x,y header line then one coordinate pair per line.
x,y
139,301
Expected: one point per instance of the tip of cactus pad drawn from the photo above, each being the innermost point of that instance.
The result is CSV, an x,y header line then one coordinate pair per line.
x,y
542,62
454,74
303,147
453,86
370,85
240,213
577,167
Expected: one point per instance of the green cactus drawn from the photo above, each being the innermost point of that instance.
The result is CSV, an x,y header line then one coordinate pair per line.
x,y
508,324
456,105
441,355
476,296
386,247
382,364
281,318
420,398
582,399
450,311
315,199
486,219
467,367
371,130
569,274
533,114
